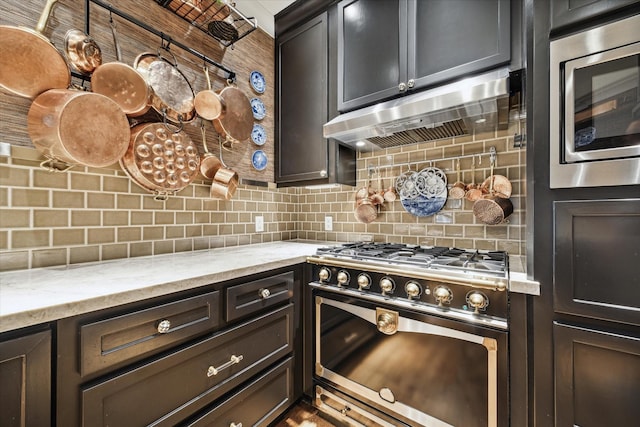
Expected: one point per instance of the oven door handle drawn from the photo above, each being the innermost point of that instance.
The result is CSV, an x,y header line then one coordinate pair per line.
x,y
408,325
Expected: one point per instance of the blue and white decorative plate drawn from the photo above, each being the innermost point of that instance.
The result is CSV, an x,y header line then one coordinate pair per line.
x,y
258,134
258,108
257,81
259,160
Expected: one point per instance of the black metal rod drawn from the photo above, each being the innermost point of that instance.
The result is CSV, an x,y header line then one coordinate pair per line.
x,y
163,36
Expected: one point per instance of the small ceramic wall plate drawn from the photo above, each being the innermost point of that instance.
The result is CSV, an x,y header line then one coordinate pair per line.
x,y
258,108
259,160
258,134
258,83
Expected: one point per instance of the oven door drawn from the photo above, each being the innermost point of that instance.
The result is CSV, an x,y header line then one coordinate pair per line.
x,y
424,370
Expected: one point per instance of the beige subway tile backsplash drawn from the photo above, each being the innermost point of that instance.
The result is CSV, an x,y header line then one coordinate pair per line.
x,y
91,214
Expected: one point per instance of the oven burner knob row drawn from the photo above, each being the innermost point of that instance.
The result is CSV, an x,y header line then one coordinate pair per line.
x,y
364,281
324,274
443,295
477,300
412,289
342,277
387,285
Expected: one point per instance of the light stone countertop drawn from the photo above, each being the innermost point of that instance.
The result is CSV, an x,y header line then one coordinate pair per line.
x,y
31,297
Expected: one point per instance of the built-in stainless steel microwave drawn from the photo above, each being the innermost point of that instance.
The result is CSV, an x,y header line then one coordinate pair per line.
x,y
595,106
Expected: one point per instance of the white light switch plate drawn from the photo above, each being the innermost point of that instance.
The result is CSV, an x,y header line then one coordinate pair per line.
x,y
259,223
328,223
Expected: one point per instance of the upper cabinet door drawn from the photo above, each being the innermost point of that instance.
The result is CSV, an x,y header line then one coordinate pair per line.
x,y
452,38
569,12
372,51
390,48
302,100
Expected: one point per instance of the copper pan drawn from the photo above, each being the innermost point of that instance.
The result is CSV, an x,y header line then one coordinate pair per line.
x,y
78,127
29,63
209,164
236,120
83,53
171,96
160,158
208,104
122,83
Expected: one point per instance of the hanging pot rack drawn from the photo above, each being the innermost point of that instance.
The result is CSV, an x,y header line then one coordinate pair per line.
x,y
166,39
493,160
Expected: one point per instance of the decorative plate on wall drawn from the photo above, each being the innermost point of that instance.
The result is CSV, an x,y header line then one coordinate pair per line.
x,y
258,134
259,160
257,81
258,108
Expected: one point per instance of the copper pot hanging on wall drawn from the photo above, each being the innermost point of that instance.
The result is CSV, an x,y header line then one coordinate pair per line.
x,y
78,127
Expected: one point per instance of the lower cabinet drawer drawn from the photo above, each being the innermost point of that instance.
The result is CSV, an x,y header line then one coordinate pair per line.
x,y
258,404
250,297
168,390
119,340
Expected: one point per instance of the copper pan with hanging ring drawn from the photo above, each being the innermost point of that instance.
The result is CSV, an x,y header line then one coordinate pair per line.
x,y
208,104
29,63
121,82
235,123
171,94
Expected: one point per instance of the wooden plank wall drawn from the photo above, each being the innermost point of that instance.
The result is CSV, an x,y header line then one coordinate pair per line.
x,y
253,52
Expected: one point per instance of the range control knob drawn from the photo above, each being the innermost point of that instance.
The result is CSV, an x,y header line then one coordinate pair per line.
x,y
412,289
364,281
342,277
443,295
387,285
324,274
477,300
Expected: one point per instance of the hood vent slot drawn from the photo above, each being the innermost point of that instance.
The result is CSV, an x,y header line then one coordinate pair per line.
x,y
445,130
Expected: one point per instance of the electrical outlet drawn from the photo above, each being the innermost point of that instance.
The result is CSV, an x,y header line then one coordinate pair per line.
x,y
259,223
328,223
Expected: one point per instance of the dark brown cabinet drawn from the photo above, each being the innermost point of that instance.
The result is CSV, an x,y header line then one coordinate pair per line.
x,y
569,12
303,92
25,380
597,377
389,48
189,356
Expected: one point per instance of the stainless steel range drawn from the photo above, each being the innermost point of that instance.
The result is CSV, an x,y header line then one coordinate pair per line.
x,y
411,335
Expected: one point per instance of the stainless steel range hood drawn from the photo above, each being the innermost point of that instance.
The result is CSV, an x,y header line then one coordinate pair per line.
x,y
475,104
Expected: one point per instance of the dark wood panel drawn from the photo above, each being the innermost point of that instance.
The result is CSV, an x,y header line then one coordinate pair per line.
x,y
257,404
168,390
25,381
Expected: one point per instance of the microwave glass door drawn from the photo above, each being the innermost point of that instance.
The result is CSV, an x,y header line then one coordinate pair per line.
x,y
602,105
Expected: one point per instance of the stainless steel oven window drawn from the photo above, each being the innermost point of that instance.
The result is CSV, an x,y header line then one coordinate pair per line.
x,y
390,322
587,168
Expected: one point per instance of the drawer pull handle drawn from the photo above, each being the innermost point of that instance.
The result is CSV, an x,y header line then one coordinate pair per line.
x,y
164,326
264,293
214,371
235,425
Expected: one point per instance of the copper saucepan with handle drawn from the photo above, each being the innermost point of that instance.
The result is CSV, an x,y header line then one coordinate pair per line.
x,y
209,164
78,127
171,96
83,53
121,82
208,104
29,63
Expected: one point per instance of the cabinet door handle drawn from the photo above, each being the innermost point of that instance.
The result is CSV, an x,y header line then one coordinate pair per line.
x,y
264,293
235,425
402,86
411,83
164,326
214,371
